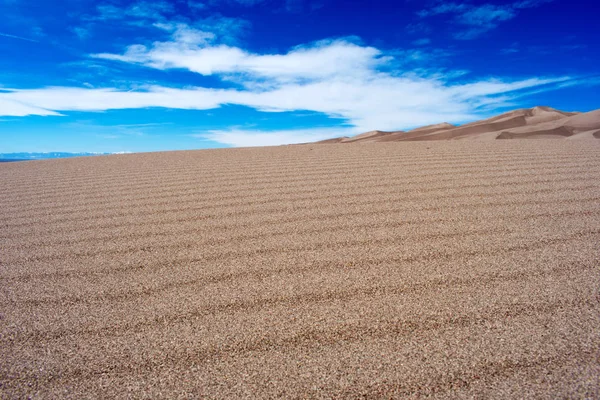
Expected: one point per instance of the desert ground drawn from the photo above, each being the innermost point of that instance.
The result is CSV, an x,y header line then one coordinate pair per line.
x,y
449,269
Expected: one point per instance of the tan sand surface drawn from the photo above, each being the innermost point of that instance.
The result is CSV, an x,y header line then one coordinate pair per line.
x,y
450,269
367,137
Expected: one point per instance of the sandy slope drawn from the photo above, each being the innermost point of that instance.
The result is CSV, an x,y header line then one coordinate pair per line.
x,y
450,269
531,123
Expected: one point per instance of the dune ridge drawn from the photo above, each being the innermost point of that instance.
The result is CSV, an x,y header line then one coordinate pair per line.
x,y
530,123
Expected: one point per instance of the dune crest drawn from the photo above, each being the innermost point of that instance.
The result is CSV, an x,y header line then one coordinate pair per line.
x,y
527,123
367,136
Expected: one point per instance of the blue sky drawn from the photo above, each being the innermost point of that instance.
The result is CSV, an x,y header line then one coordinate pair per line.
x,y
150,75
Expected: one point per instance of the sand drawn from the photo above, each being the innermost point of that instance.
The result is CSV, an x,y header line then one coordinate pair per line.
x,y
527,123
454,269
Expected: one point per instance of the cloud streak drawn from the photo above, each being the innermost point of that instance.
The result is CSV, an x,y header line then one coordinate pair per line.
x,y
251,138
155,10
479,19
18,37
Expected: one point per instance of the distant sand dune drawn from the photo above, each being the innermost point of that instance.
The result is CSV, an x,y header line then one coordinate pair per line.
x,y
450,269
548,133
531,123
367,136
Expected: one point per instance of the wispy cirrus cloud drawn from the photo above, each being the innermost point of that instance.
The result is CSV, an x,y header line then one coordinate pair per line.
x,y
246,3
478,19
421,42
6,35
114,131
545,50
161,14
417,28
291,6
119,15
152,10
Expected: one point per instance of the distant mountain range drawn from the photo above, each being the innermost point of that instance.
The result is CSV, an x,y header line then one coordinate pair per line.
x,y
26,156
529,123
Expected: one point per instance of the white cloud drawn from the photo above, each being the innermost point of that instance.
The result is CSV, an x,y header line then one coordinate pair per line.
x,y
377,102
250,138
193,50
363,86
80,99
13,108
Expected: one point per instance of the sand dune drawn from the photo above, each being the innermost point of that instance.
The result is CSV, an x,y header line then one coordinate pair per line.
x,y
531,123
367,136
455,269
